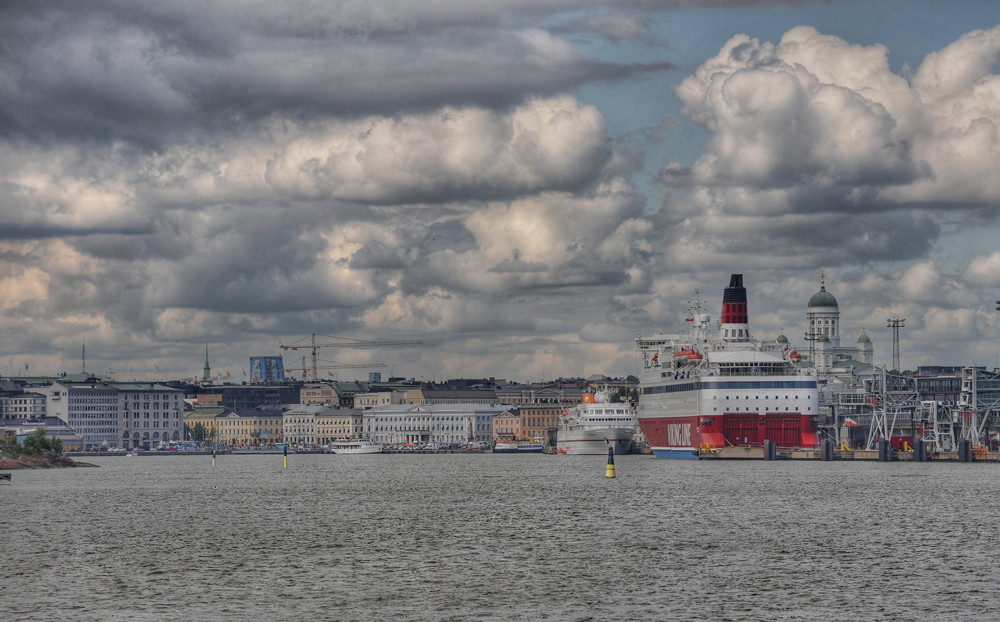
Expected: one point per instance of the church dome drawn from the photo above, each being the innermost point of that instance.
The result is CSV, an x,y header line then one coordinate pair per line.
x,y
782,338
864,337
824,338
822,298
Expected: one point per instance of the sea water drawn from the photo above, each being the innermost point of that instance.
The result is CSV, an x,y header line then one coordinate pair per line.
x,y
483,536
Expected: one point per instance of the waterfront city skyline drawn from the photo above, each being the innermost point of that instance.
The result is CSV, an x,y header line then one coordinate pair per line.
x,y
524,187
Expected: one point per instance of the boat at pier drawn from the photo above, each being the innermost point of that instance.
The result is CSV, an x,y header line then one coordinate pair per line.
x,y
595,425
526,446
354,446
702,390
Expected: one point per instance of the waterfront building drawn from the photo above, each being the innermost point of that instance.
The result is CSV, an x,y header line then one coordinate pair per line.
x,y
89,406
318,393
376,399
150,414
298,424
338,423
206,417
248,396
251,428
542,420
54,427
18,405
430,423
458,396
507,426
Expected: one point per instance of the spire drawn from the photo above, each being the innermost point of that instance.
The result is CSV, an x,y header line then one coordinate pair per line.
x,y
822,282
83,356
207,372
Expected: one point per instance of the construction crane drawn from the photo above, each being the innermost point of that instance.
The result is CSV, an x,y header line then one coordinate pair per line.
x,y
346,343
315,368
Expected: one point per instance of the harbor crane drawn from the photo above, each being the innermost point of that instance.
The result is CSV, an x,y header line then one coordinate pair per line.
x,y
345,342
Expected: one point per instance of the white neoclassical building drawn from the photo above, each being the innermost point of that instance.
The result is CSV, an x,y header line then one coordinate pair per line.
x,y
430,423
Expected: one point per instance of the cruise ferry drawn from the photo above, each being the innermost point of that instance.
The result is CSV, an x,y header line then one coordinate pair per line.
x,y
707,389
596,425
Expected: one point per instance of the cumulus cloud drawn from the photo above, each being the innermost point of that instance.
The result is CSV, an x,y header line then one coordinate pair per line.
x,y
808,110
815,109
983,271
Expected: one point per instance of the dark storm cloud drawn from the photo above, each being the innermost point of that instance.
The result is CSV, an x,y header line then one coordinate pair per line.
x,y
154,72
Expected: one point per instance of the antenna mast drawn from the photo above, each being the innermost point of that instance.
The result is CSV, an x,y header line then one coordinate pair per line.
x,y
895,324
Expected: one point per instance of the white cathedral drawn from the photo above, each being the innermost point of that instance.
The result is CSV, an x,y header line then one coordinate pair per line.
x,y
823,334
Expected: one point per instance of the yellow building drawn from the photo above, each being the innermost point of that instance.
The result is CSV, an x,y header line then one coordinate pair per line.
x,y
205,415
257,428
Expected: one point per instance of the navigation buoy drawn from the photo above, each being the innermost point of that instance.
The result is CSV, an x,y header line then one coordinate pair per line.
x,y
213,456
610,471
286,456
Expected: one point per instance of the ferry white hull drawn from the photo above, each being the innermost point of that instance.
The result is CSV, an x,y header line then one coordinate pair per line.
x,y
594,442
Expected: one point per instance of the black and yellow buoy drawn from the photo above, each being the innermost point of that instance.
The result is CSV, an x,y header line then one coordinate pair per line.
x,y
610,472
286,456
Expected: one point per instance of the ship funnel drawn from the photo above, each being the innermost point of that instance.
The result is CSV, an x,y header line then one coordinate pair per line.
x,y
735,322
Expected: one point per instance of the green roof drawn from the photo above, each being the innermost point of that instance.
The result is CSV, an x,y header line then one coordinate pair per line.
x,y
822,298
864,337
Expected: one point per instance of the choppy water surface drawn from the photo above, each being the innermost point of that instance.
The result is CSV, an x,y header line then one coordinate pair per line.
x,y
460,537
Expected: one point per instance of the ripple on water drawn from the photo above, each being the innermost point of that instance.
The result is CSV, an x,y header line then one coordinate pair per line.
x,y
456,537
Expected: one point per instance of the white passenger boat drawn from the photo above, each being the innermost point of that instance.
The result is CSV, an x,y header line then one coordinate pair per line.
x,y
354,446
596,425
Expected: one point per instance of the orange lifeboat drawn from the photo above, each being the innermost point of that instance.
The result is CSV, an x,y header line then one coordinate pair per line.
x,y
690,354
794,355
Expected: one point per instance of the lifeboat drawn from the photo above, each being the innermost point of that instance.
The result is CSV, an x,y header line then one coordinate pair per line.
x,y
689,354
794,355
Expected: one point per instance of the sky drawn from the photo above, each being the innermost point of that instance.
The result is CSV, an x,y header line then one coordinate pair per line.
x,y
523,186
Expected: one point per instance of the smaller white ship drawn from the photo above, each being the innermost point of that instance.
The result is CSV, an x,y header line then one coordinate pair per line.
x,y
354,446
526,446
596,425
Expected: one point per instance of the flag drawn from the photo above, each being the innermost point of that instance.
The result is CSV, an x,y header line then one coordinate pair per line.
x,y
244,373
228,375
157,367
850,422
25,367
329,373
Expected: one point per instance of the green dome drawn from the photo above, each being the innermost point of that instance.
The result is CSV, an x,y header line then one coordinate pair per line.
x,y
782,338
864,337
824,338
822,298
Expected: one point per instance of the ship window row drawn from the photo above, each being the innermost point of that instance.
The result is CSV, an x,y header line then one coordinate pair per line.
x,y
693,386
756,397
773,384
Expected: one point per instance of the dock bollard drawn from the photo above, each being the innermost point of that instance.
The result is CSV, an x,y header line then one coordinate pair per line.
x,y
610,471
286,456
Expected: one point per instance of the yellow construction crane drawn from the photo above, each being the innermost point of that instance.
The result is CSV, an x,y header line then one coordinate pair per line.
x,y
315,368
345,343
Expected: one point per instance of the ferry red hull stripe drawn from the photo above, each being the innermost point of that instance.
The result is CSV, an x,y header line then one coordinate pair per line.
x,y
792,430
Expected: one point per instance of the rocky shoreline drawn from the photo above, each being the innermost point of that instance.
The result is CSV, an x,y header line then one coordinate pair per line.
x,y
8,463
